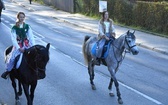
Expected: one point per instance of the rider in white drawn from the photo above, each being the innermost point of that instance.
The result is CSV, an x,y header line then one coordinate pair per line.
x,y
106,32
22,38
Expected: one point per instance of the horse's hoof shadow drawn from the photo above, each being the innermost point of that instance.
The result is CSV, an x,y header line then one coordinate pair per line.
x,y
120,101
111,94
17,102
93,87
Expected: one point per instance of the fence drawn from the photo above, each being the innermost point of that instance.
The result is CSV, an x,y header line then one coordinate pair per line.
x,y
65,5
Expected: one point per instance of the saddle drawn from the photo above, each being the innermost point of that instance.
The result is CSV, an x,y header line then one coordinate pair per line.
x,y
105,50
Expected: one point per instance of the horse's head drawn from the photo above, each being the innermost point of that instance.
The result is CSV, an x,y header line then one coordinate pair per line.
x,y
130,44
39,57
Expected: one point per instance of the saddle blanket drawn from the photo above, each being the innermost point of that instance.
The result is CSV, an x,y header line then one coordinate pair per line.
x,y
104,52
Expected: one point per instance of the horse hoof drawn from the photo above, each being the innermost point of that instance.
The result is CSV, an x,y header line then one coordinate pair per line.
x,y
111,94
19,93
17,102
120,101
93,87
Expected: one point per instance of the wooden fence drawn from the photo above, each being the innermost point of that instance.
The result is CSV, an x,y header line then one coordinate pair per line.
x,y
65,5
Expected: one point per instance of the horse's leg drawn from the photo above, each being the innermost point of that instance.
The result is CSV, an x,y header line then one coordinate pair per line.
x,y
32,89
91,74
20,88
26,91
110,88
14,87
112,72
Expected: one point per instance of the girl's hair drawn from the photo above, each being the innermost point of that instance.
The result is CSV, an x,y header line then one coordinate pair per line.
x,y
17,16
104,14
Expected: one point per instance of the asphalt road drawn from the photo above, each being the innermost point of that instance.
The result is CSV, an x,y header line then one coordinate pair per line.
x,y
143,78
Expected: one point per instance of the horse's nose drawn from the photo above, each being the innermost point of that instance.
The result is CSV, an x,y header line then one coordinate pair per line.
x,y
135,52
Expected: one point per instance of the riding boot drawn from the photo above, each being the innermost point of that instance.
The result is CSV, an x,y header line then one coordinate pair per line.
x,y
4,75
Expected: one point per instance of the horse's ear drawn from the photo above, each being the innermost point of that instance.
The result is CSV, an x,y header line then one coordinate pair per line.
x,y
128,32
133,32
48,46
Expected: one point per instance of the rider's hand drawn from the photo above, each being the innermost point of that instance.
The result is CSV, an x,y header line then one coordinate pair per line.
x,y
107,38
113,34
103,36
21,50
3,8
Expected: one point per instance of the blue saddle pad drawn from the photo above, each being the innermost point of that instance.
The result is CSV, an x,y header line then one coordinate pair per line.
x,y
93,50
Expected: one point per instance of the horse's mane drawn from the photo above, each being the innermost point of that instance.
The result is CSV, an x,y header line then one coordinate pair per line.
x,y
123,36
35,47
119,39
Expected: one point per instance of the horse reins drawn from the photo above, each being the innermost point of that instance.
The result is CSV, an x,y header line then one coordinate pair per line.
x,y
130,47
125,51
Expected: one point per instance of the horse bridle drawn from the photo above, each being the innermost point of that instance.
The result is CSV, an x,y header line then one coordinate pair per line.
x,y
130,47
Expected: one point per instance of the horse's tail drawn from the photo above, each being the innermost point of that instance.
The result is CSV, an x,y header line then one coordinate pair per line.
x,y
84,49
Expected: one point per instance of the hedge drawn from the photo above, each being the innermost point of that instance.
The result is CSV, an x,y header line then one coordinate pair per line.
x,y
152,16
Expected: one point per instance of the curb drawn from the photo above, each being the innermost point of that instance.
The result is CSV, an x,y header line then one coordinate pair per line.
x,y
153,49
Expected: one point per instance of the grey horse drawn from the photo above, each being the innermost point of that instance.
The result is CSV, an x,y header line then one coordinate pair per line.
x,y
125,43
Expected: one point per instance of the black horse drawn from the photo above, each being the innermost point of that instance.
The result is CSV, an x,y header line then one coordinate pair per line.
x,y
32,69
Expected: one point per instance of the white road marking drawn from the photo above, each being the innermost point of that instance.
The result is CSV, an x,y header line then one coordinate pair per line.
x,y
141,94
39,35
60,32
6,21
5,25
